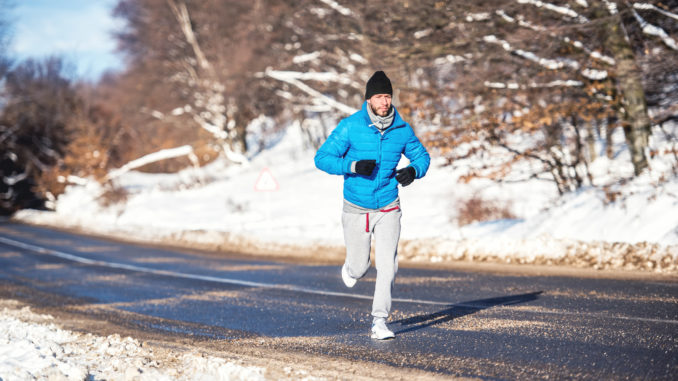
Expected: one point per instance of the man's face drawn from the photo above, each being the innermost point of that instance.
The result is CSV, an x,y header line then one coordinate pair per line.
x,y
380,103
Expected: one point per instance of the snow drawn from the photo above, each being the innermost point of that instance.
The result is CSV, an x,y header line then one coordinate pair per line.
x,y
450,58
185,150
471,17
309,76
593,74
646,6
11,180
551,64
632,227
556,8
423,33
33,347
306,57
558,83
611,7
337,7
358,58
514,86
654,30
501,85
296,78
537,28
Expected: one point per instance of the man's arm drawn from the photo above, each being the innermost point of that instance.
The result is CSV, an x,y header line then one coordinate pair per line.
x,y
419,158
330,156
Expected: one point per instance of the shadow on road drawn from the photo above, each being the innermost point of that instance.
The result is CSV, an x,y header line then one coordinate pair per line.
x,y
462,309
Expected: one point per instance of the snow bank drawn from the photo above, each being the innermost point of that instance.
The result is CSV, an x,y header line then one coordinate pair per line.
x,y
634,227
32,347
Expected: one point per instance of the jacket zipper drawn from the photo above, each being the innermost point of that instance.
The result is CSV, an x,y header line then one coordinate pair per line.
x,y
381,139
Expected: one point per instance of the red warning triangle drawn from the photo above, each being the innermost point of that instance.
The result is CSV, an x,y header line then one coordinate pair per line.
x,y
266,182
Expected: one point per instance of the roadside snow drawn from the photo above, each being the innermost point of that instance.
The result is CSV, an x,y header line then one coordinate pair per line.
x,y
32,347
634,227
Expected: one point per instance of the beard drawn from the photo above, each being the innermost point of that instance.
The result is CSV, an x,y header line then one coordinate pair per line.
x,y
380,112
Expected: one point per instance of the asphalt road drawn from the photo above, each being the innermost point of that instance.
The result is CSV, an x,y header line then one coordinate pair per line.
x,y
489,325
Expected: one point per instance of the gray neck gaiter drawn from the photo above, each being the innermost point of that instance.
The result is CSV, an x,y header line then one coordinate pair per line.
x,y
381,122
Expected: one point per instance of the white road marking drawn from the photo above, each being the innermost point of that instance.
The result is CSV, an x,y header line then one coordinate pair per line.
x,y
87,261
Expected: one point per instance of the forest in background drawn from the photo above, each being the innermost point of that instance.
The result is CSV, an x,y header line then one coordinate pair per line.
x,y
548,82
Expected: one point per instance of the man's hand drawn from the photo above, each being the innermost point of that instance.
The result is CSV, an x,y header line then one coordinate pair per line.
x,y
365,167
405,176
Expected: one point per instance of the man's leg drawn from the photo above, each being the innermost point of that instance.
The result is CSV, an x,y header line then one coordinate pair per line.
x,y
387,234
357,237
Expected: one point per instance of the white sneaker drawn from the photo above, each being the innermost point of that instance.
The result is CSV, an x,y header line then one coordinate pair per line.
x,y
348,280
380,331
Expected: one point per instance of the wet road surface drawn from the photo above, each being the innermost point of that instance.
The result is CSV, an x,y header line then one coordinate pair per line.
x,y
457,323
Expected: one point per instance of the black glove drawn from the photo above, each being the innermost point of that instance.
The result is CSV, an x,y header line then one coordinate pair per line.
x,y
365,167
405,176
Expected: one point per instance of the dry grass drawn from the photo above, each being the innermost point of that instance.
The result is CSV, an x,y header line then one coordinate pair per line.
x,y
113,195
477,209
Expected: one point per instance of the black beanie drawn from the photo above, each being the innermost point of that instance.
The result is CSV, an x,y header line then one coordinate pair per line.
x,y
378,84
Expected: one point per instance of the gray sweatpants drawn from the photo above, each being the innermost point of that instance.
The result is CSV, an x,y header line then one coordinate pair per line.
x,y
358,230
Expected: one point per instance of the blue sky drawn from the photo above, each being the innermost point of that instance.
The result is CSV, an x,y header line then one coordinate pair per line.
x,y
78,30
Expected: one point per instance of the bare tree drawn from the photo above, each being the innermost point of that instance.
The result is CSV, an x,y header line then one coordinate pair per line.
x,y
197,60
514,61
563,74
34,129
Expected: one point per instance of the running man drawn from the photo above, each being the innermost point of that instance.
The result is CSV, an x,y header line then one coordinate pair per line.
x,y
366,148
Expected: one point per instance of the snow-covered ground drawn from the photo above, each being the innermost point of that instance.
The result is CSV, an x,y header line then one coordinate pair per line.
x,y
218,206
34,347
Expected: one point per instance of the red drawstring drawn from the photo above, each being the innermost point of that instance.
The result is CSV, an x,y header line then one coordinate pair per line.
x,y
390,210
367,217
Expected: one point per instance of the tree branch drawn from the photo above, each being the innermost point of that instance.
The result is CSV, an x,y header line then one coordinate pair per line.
x,y
181,13
281,76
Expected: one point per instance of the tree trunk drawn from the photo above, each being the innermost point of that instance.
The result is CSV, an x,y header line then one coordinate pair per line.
x,y
592,135
635,119
609,129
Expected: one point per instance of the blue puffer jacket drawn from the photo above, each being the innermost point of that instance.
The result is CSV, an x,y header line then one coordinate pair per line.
x,y
354,139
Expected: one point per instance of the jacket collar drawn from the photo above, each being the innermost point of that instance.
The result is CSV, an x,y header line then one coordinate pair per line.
x,y
397,120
